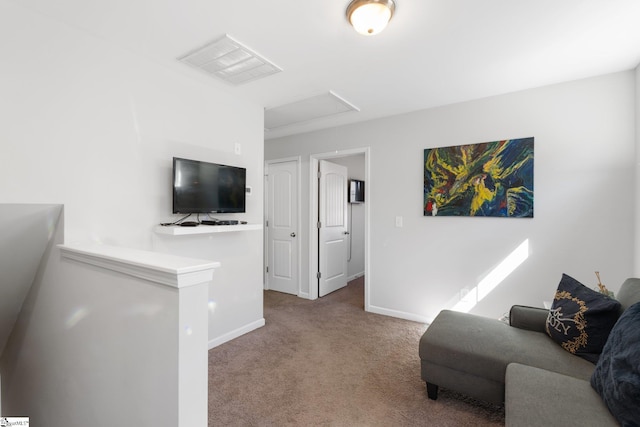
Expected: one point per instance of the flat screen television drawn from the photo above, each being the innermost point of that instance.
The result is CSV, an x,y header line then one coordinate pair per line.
x,y
201,187
356,191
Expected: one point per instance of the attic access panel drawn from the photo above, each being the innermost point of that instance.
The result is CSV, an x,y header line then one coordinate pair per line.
x,y
315,107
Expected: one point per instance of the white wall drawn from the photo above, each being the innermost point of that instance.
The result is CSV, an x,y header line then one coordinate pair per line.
x,y
91,345
584,197
26,232
637,192
92,126
355,170
235,297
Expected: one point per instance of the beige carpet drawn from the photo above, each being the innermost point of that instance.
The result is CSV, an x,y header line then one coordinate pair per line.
x,y
330,363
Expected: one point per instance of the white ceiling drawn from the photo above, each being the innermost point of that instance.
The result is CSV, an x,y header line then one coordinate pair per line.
x,y
434,52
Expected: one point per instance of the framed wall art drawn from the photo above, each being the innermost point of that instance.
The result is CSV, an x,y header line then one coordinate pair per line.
x,y
492,179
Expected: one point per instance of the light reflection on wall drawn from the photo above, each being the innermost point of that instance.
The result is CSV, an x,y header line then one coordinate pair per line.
x,y
212,306
493,279
76,316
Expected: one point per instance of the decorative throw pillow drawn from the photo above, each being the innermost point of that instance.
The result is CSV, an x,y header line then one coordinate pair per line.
x,y
580,318
617,374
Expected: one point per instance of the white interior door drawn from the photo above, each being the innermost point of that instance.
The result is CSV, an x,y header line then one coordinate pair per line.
x,y
332,231
282,223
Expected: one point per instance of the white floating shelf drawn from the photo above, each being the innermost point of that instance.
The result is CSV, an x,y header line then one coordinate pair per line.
x,y
174,230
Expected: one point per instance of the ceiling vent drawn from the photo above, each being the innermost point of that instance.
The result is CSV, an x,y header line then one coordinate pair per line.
x,y
315,107
230,61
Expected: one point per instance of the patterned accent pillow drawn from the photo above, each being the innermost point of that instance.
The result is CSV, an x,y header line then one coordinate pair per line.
x,y
617,374
580,318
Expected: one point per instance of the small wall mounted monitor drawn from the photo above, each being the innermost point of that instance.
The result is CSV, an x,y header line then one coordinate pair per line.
x,y
356,191
202,187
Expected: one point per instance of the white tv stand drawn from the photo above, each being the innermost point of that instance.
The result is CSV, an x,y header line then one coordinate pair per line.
x,y
176,230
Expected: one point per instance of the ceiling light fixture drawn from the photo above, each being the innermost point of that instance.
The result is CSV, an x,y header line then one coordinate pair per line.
x,y
369,17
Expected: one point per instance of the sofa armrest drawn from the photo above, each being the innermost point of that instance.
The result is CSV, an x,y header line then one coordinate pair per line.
x,y
529,318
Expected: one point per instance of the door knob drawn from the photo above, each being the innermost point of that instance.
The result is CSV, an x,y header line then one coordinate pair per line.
x,y
292,234
346,232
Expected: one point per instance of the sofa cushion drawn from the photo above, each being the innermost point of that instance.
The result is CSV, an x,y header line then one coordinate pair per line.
x,y
629,293
580,318
617,374
537,397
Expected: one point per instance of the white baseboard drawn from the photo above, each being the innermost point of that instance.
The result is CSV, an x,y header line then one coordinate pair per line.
x,y
236,333
400,314
355,276
304,295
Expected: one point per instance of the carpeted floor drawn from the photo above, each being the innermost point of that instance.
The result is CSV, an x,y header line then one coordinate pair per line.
x,y
329,363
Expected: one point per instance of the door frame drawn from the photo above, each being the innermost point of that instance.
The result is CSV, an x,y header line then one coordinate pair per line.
x,y
314,160
298,254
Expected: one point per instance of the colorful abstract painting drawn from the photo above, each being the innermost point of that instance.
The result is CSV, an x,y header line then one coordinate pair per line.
x,y
487,179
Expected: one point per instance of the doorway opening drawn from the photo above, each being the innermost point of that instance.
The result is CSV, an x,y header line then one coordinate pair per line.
x,y
340,157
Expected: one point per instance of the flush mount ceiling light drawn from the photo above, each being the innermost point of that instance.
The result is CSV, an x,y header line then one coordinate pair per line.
x,y
369,17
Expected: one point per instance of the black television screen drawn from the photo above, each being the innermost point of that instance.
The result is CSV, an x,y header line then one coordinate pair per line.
x,y
201,187
356,191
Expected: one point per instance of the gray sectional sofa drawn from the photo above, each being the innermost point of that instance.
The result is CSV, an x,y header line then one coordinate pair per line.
x,y
517,363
